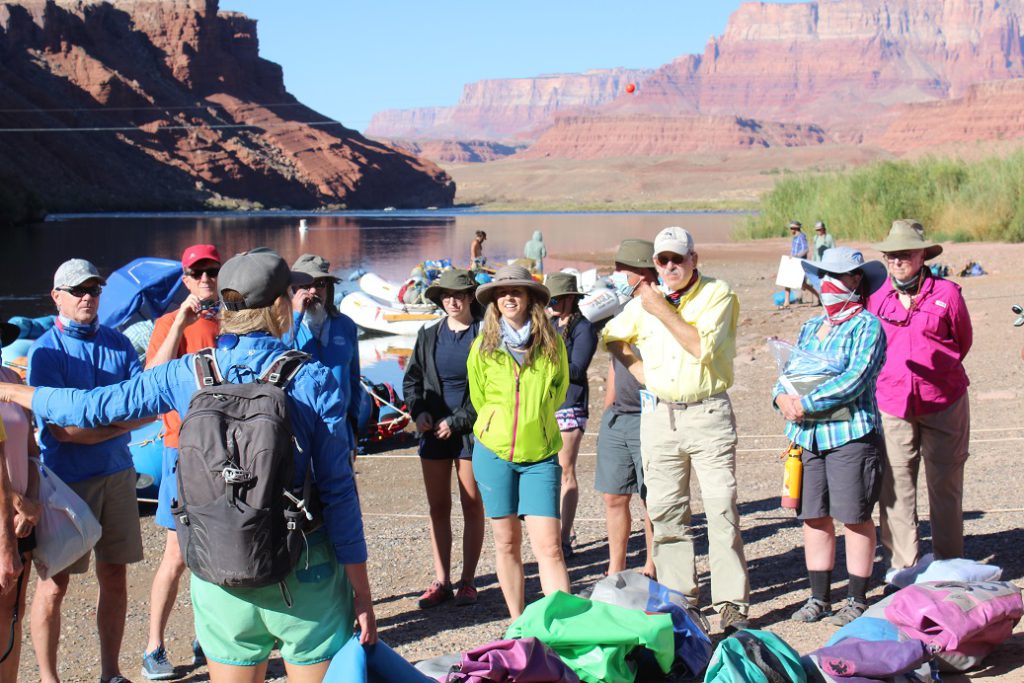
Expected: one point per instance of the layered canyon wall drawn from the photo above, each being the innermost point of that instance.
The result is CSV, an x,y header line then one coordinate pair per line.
x,y
166,104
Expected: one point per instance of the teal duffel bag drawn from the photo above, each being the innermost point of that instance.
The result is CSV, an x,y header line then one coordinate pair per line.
x,y
754,656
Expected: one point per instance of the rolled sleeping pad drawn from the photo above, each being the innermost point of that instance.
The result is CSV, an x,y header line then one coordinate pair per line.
x,y
601,304
376,663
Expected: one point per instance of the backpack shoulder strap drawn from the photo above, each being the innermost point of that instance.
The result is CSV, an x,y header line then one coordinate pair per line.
x,y
284,368
207,371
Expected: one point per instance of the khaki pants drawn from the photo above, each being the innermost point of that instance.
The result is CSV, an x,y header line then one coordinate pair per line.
x,y
672,439
941,441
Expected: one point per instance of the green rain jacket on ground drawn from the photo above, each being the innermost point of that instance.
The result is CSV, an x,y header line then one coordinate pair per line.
x,y
515,407
593,638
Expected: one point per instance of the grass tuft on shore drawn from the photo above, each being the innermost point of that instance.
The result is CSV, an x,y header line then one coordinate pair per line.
x,y
954,199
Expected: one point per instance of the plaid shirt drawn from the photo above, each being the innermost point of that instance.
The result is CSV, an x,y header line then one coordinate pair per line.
x,y
861,343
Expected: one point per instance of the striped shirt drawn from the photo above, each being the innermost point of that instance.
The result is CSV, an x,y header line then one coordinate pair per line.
x,y
860,343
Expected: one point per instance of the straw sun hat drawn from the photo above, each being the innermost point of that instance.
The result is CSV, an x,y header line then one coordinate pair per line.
x,y
511,276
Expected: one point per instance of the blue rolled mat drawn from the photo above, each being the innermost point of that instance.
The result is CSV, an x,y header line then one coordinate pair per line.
x,y
371,664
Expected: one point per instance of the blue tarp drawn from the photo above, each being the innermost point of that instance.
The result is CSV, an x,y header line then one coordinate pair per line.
x,y
144,289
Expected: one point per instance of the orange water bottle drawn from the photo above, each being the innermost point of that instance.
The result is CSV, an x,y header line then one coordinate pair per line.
x,y
792,477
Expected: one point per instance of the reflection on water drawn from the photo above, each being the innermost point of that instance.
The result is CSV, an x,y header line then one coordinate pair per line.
x,y
383,359
386,243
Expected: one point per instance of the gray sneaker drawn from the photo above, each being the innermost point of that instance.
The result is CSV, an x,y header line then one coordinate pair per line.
x,y
115,679
730,619
156,666
812,610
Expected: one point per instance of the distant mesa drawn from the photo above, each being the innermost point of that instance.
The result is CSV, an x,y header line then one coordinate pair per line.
x,y
849,71
168,105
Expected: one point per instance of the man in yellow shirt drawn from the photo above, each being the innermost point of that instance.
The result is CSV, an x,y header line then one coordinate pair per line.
x,y
687,340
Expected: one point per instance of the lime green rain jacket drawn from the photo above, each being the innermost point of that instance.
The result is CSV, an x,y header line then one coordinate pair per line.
x,y
515,407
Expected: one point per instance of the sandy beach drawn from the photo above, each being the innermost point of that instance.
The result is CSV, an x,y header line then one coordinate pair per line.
x,y
395,509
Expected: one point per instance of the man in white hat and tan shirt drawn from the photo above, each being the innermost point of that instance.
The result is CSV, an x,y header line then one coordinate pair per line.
x,y
686,334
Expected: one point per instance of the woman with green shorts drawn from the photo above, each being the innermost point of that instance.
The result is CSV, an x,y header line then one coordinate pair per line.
x,y
518,376
310,614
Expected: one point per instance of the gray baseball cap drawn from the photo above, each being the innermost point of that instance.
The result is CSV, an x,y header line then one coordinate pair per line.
x,y
260,275
74,272
316,267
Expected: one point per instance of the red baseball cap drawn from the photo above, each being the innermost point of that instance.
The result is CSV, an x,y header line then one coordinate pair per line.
x,y
199,252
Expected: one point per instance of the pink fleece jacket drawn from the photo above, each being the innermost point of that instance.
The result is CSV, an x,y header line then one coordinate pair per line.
x,y
925,348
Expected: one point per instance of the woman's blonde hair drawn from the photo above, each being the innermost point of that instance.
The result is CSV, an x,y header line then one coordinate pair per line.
x,y
275,319
543,340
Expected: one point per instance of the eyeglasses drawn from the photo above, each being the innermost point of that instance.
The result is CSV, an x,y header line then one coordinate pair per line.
x,y
664,260
322,283
208,272
554,303
900,256
450,294
80,291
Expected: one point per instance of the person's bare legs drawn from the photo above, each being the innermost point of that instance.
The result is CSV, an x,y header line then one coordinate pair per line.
x,y
649,568
164,590
547,548
820,544
309,673
860,548
570,487
789,293
619,522
229,673
473,519
508,561
808,287
111,611
46,605
437,478
9,668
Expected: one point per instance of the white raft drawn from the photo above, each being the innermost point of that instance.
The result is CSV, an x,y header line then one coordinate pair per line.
x,y
374,315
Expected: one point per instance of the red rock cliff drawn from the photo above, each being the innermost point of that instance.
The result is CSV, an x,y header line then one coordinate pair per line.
x,y
180,112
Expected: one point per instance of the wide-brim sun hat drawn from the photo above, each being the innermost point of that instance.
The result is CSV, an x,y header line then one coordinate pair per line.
x,y
908,235
636,253
562,284
317,267
454,280
511,276
842,260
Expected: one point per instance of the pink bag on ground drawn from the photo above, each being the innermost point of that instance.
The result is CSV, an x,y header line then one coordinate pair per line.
x,y
525,660
964,621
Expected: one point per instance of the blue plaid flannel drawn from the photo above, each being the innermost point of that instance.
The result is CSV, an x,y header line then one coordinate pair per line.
x,y
861,342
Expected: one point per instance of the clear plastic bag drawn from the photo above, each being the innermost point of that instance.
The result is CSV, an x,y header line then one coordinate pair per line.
x,y
801,371
67,529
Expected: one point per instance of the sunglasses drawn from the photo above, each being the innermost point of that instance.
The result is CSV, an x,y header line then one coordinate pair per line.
x,y
894,312
899,256
554,303
663,260
208,272
80,291
322,283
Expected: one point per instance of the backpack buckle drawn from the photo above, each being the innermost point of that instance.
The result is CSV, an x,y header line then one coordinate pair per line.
x,y
207,381
274,377
234,475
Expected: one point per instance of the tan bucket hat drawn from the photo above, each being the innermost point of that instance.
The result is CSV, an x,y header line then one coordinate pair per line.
x,y
511,276
907,234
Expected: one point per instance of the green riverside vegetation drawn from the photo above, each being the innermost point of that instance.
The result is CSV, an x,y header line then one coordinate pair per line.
x,y
954,199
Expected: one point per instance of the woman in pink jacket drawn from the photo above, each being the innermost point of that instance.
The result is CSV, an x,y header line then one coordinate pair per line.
x,y
922,396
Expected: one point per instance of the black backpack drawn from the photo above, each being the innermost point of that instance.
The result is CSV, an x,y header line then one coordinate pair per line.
x,y
239,521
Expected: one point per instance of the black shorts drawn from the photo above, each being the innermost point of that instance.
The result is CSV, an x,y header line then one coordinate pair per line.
x,y
27,544
843,483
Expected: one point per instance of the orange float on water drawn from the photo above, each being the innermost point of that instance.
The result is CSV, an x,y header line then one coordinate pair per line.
x,y
630,87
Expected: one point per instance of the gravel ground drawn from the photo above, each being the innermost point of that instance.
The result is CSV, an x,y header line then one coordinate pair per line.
x,y
395,512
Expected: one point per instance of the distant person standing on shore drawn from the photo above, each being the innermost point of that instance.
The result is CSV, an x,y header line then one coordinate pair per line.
x,y
799,249
922,395
619,472
477,259
686,334
822,241
192,327
536,251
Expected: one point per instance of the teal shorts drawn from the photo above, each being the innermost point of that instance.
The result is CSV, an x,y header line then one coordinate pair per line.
x,y
240,626
513,488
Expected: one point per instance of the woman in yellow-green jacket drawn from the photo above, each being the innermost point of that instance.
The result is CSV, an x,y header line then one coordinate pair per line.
x,y
518,377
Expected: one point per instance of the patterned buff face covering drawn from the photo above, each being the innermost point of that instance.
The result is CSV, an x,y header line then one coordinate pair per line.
x,y
77,330
840,302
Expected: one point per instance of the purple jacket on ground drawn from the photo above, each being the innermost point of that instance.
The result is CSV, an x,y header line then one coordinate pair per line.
x,y
926,346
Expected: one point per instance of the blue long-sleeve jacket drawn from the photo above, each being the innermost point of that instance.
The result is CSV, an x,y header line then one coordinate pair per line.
x,y
316,408
340,355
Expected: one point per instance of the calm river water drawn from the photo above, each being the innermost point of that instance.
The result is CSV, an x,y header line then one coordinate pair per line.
x,y
387,243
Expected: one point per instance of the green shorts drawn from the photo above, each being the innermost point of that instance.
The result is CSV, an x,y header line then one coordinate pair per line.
x,y
240,626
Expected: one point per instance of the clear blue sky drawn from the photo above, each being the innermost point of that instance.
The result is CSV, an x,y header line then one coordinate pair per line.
x,y
350,59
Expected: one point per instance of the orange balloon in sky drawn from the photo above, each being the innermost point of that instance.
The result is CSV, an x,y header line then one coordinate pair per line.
x,y
630,87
